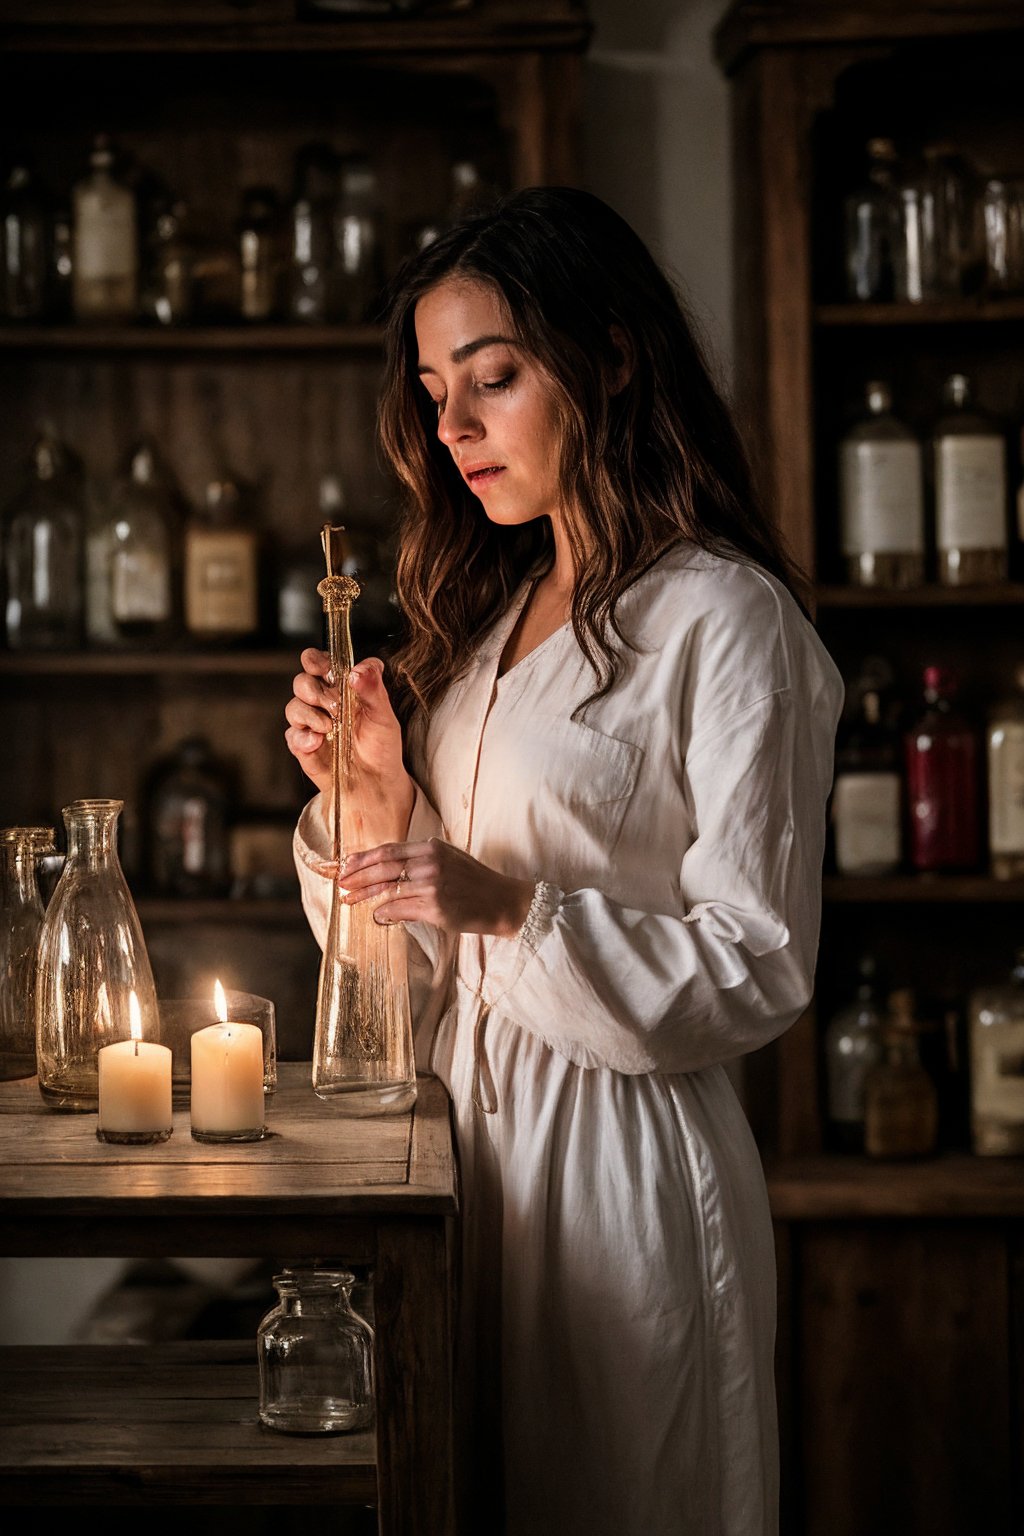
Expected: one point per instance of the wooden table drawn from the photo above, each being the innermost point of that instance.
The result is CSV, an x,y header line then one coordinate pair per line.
x,y
177,1423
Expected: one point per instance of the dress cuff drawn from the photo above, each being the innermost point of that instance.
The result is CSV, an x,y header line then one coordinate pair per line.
x,y
537,924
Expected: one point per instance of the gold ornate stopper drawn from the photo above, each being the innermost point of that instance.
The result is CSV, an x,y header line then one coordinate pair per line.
x,y
337,590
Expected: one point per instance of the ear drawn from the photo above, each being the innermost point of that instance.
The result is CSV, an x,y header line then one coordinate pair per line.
x,y
625,358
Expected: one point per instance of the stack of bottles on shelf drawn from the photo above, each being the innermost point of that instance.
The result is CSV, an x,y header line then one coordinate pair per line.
x,y
907,515
122,247
931,225
927,786
900,1085
138,565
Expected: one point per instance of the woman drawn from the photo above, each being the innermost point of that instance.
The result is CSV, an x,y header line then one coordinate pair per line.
x,y
604,832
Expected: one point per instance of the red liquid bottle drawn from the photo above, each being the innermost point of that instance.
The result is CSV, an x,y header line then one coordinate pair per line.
x,y
942,754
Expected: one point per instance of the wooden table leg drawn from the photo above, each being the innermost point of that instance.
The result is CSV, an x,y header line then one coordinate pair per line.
x,y
413,1362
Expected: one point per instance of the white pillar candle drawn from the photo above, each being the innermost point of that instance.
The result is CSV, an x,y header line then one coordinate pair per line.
x,y
227,1081
134,1086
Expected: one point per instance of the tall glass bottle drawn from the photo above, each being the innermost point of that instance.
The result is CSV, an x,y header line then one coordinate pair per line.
x,y
92,961
1004,742
357,264
307,273
867,794
25,247
362,1045
105,262
996,1029
971,491
901,1102
143,549
43,544
188,802
853,1045
881,497
221,567
867,213
21,917
941,755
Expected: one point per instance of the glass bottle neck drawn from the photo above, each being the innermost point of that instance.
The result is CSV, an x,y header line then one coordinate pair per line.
x,y
92,833
18,875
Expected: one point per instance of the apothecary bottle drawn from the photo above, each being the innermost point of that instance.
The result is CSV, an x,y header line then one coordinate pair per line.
x,y
853,1046
357,260
315,1355
867,793
881,497
92,960
105,262
867,213
25,247
996,1031
971,491
259,239
221,567
43,551
959,242
188,803
901,1101
1004,751
308,266
21,918
168,296
942,752
142,550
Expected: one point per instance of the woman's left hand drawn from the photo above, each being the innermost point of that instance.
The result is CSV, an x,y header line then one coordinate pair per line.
x,y
436,883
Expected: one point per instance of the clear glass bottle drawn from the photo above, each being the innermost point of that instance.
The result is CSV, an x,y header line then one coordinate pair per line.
x,y
362,1040
996,1030
143,563
188,805
92,960
941,759
853,1045
881,497
105,261
867,215
26,248
357,265
221,567
21,918
1004,742
1003,217
867,793
43,551
315,1355
60,260
308,269
960,254
259,238
901,1102
915,238
971,491
169,293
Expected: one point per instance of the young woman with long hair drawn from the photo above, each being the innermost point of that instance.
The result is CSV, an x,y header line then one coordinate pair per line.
x,y
602,750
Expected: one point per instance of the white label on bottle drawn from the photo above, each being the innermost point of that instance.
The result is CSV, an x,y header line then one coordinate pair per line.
x,y
998,1081
881,498
104,236
970,493
221,593
866,820
1006,786
140,588
99,625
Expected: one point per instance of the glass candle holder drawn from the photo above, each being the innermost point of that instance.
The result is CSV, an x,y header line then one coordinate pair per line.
x,y
181,1017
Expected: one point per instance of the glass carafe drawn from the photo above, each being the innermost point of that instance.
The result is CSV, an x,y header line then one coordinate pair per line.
x,y
362,1045
315,1355
21,917
92,959
43,551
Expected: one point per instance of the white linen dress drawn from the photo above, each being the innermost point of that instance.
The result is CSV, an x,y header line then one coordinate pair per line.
x,y
617,1315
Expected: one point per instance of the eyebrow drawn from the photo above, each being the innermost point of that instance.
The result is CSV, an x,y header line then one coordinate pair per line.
x,y
460,354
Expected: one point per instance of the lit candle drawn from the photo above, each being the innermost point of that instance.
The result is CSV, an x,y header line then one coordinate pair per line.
x,y
134,1087
227,1079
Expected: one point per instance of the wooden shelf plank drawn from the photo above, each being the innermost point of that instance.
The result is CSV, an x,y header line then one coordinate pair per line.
x,y
264,663
955,1185
177,1422
871,890
198,338
253,913
950,312
1007,594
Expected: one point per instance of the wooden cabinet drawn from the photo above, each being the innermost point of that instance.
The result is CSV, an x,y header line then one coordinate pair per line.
x,y
889,1276
207,101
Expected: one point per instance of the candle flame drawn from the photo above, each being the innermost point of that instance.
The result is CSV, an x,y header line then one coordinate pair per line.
x,y
220,1002
134,1016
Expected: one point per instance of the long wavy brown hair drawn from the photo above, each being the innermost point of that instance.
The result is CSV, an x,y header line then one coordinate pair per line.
x,y
642,466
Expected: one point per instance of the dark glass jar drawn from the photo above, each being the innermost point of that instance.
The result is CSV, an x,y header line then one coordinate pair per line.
x,y
941,752
187,835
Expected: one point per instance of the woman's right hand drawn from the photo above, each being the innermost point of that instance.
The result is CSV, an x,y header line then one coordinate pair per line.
x,y
376,737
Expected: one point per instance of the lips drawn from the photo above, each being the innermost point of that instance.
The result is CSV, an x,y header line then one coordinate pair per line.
x,y
479,475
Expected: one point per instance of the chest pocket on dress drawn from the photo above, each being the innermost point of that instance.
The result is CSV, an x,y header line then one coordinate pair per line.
x,y
583,782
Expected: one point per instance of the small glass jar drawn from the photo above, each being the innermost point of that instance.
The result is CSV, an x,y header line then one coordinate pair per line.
x,y
315,1355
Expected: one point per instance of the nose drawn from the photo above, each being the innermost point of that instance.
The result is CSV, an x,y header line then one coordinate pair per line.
x,y
459,422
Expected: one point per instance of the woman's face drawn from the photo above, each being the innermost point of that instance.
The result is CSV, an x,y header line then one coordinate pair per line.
x,y
495,411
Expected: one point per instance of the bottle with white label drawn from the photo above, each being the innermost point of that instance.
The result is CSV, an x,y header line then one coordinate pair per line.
x,y
881,497
867,796
143,566
969,458
105,242
996,1026
1005,753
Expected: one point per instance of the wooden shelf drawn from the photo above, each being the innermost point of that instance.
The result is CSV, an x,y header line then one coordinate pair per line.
x,y
1004,594
174,1423
950,312
210,339
253,913
276,663
872,889
955,1185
